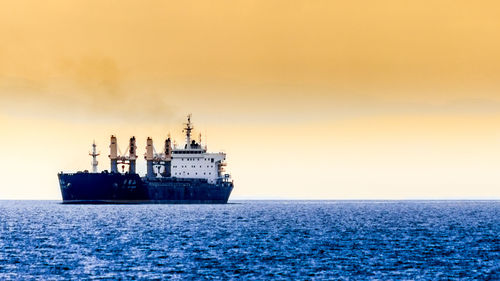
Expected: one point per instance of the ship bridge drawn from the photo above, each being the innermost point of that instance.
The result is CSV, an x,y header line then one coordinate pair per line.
x,y
193,161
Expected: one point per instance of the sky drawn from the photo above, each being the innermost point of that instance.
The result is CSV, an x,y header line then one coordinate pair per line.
x,y
318,99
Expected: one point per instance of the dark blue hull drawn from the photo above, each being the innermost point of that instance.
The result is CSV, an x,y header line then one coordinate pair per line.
x,y
115,188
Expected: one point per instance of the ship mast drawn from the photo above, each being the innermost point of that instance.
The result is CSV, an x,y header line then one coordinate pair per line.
x,y
94,155
188,130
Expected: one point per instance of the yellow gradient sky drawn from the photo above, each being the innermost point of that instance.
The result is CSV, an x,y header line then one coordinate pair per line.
x,y
318,99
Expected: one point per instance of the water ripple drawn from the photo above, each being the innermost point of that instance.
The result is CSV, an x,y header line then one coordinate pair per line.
x,y
259,240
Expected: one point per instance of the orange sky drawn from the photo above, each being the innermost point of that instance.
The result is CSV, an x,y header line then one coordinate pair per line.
x,y
311,99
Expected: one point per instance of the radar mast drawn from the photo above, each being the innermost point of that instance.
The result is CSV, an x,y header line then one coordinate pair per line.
x,y
189,127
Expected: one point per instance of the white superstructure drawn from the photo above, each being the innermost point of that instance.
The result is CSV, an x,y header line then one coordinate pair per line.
x,y
193,161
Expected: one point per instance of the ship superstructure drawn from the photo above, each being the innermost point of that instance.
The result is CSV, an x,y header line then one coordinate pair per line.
x,y
186,174
193,161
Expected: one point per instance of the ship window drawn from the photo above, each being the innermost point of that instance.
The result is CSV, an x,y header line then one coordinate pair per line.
x,y
212,160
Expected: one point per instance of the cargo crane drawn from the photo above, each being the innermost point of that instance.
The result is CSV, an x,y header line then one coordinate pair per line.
x,y
123,160
160,161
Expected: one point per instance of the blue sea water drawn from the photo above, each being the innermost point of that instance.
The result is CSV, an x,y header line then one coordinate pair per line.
x,y
260,240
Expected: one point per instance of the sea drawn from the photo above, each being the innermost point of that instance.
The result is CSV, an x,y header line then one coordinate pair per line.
x,y
251,240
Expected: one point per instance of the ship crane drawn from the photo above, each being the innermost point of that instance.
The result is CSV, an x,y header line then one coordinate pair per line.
x,y
161,162
128,159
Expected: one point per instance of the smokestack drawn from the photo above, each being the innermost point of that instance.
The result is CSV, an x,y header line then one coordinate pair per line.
x,y
113,154
132,155
149,156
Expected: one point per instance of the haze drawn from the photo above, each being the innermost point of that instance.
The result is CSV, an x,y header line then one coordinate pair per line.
x,y
310,99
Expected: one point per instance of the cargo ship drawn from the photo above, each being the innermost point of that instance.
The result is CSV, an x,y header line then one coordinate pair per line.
x,y
177,175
